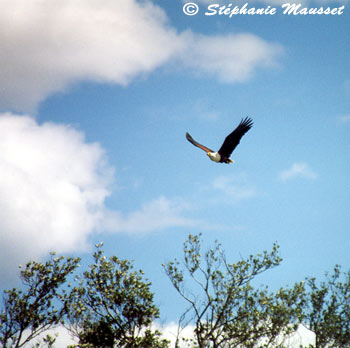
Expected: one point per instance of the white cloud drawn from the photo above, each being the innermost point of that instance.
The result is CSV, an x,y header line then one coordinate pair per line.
x,y
204,111
265,3
61,334
52,189
236,187
344,119
171,331
302,337
46,46
230,58
156,215
298,170
53,186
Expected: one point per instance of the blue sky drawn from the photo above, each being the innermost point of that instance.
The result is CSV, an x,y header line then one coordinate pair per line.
x,y
95,100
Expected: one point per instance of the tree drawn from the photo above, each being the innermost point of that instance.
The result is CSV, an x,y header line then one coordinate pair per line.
x,y
327,310
113,306
227,311
27,313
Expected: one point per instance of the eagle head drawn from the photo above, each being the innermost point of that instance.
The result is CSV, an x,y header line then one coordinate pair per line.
x,y
214,156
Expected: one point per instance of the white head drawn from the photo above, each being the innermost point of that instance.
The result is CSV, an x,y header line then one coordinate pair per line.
x,y
214,156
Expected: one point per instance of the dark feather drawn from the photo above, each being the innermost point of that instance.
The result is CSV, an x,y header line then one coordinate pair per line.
x,y
233,139
192,141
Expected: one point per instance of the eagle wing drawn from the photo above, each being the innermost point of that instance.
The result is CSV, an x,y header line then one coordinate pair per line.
x,y
191,140
233,139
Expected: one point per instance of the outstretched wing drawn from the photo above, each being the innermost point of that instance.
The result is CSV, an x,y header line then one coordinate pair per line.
x,y
191,140
233,139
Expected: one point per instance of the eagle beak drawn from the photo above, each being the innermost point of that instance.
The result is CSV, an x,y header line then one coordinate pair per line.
x,y
231,161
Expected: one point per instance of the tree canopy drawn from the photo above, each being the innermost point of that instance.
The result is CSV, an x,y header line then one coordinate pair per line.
x,y
111,304
327,309
39,304
226,309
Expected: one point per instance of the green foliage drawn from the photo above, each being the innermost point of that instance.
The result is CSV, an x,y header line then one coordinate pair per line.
x,y
113,306
226,309
27,313
327,309
48,342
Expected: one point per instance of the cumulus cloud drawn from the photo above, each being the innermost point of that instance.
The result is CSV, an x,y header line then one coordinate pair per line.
x,y
63,338
230,58
301,338
298,170
169,331
53,186
52,189
46,46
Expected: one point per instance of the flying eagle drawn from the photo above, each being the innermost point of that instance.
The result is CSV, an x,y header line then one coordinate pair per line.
x,y
230,143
